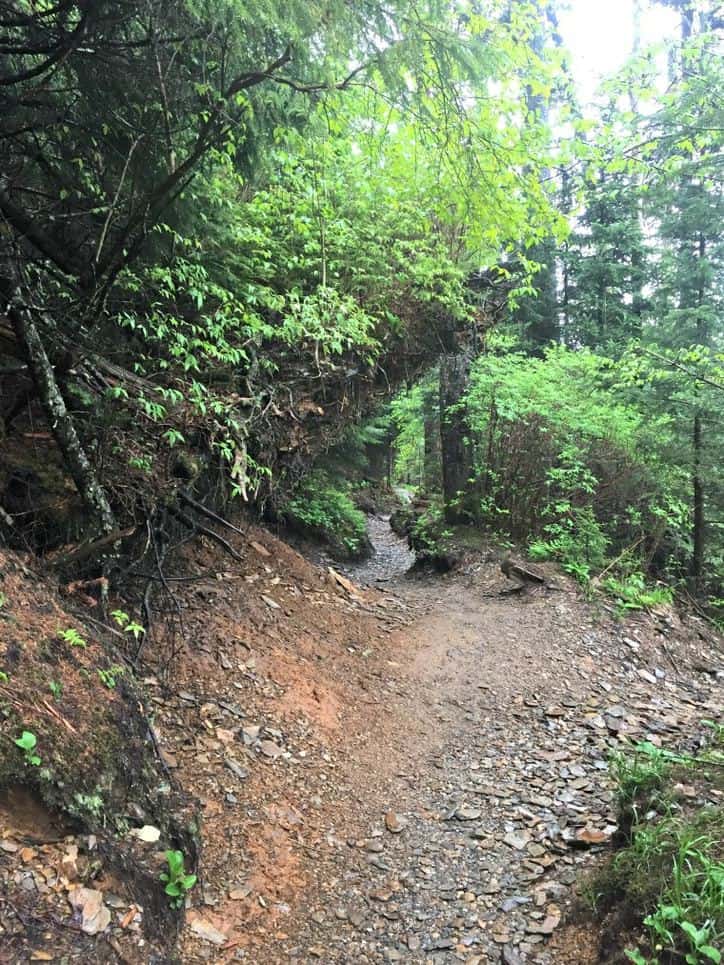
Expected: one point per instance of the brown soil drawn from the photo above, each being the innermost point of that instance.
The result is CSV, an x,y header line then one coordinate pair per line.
x,y
298,712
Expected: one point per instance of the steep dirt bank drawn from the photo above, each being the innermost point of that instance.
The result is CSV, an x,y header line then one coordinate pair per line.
x,y
70,802
416,774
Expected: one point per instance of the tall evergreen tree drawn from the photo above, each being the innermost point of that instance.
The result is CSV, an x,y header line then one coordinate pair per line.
x,y
605,262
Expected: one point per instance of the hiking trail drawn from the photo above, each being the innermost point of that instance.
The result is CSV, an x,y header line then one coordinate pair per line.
x,y
388,766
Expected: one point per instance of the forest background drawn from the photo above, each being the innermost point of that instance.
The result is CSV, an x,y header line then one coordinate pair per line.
x,y
266,253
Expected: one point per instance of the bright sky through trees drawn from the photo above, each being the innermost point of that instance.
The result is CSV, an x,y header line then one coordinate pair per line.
x,y
600,36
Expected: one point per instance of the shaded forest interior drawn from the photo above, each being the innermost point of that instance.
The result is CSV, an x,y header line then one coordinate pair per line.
x,y
230,249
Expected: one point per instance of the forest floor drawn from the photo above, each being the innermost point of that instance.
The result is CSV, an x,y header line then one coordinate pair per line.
x,y
414,770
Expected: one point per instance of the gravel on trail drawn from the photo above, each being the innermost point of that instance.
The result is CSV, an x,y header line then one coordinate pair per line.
x,y
468,790
388,767
486,797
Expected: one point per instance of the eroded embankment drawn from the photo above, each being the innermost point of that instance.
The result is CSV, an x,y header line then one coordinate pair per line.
x,y
79,770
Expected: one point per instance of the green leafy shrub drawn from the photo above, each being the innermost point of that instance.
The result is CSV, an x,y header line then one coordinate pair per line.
x,y
566,460
430,531
676,867
670,873
324,510
575,539
640,778
633,593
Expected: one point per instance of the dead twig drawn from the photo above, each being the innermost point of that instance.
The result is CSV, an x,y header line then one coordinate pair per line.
x,y
698,609
78,553
154,740
205,531
597,579
160,554
59,717
205,511
670,657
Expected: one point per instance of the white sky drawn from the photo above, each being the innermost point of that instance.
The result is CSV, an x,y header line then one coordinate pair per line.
x,y
599,36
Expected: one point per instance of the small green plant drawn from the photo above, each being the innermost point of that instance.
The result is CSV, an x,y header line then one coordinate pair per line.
x,y
177,882
639,777
578,570
716,606
715,749
141,462
3,600
634,955
701,949
4,677
688,917
127,624
672,868
55,688
109,677
84,805
27,742
72,637
173,437
574,538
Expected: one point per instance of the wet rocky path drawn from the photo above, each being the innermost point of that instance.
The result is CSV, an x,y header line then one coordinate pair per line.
x,y
480,794
391,560
414,772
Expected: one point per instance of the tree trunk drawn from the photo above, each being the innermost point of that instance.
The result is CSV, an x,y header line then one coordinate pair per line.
x,y
539,316
432,451
59,419
697,560
699,522
455,449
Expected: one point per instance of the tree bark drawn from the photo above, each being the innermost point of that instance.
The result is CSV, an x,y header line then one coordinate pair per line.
x,y
431,478
59,419
455,448
699,534
698,489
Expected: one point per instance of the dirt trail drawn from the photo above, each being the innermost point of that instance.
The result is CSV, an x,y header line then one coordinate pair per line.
x,y
491,755
466,786
413,773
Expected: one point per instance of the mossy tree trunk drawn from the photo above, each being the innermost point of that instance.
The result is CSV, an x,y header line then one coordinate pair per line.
x,y
59,419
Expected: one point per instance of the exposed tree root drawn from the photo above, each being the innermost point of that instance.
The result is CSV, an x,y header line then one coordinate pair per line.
x,y
204,531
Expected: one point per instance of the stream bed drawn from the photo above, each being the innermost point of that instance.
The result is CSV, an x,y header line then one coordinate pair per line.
x,y
390,561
